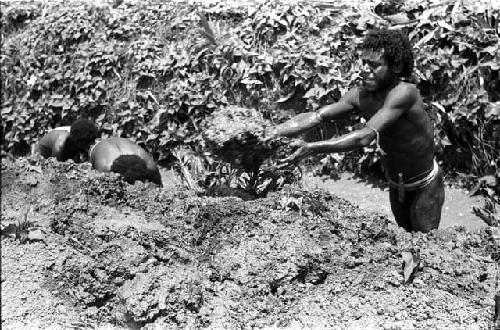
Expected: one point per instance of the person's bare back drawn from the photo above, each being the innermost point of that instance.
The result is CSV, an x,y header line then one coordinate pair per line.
x,y
123,156
51,144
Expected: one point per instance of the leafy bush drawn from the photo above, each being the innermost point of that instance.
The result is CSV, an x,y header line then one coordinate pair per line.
x,y
154,71
15,17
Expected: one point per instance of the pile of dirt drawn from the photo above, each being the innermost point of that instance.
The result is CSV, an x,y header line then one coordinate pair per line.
x,y
151,257
240,136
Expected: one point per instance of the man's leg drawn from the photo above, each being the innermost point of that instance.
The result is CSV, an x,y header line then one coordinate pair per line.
x,y
401,211
425,209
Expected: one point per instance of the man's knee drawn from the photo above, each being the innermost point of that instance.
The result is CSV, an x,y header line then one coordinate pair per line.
x,y
425,213
425,225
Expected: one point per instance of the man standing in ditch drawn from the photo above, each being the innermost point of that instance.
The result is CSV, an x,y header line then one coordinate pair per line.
x,y
396,120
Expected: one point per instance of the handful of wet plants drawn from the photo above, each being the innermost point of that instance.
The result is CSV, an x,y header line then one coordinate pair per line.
x,y
240,136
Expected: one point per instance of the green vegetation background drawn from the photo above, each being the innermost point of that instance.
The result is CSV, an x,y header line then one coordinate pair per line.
x,y
152,71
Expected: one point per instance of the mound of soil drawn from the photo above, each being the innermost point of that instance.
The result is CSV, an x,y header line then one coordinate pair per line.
x,y
238,136
151,257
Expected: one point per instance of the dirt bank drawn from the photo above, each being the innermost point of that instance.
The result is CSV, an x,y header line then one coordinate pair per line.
x,y
114,254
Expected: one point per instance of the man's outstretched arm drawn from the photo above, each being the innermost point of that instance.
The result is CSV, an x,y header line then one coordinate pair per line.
x,y
397,102
305,121
347,142
357,139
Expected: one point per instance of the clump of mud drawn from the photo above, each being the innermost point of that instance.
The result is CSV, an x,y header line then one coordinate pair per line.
x,y
152,257
240,136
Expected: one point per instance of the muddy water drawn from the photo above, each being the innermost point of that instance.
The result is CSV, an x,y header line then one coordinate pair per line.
x,y
373,195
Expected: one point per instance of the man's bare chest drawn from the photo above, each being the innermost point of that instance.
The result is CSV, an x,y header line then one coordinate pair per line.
x,y
368,106
392,135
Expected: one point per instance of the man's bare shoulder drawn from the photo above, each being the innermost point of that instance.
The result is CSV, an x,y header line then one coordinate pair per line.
x,y
403,95
51,137
60,140
405,89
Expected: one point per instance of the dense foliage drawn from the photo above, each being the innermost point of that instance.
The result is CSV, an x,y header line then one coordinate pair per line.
x,y
154,71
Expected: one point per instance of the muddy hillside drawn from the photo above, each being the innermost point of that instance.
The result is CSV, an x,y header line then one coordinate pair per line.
x,y
141,256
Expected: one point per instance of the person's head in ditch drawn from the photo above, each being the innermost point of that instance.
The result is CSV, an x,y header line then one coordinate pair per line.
x,y
122,156
133,168
71,142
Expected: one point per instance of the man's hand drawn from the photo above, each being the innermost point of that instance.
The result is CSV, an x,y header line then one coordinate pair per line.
x,y
303,151
270,133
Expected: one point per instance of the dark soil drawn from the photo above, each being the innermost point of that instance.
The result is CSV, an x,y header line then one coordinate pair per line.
x,y
238,136
142,256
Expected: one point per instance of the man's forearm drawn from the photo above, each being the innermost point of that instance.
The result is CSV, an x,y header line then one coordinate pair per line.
x,y
347,142
299,124
305,121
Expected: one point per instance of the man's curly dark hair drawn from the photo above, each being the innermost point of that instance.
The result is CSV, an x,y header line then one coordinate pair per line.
x,y
84,128
396,47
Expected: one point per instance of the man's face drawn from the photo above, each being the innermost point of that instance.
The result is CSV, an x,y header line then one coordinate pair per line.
x,y
375,72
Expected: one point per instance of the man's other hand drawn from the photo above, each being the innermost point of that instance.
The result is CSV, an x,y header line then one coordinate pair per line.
x,y
270,133
303,150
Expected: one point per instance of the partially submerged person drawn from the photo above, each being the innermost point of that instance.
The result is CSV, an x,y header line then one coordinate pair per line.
x,y
69,142
396,120
121,155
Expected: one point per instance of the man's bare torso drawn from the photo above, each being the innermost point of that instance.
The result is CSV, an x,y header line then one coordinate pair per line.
x,y
408,143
